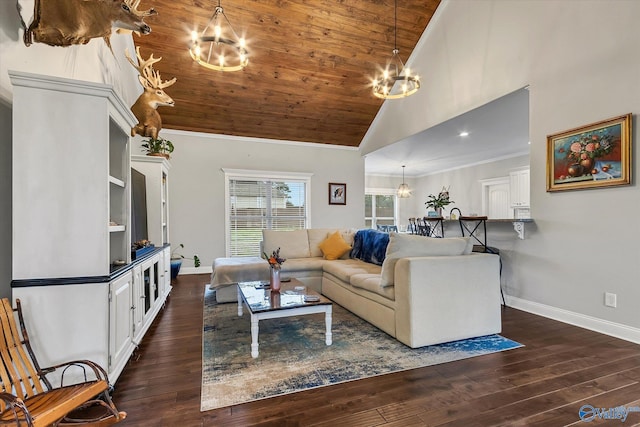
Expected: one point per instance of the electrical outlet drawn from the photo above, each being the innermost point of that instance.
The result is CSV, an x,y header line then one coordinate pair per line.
x,y
610,299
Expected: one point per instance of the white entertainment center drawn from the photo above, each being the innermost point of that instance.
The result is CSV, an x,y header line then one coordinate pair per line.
x,y
83,295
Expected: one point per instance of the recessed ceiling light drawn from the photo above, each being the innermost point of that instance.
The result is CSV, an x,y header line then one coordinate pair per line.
x,y
464,133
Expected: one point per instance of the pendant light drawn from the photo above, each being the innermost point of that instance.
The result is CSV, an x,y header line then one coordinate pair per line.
x,y
396,81
218,47
404,191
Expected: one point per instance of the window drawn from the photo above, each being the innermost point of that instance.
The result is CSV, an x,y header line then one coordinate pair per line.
x,y
263,200
380,208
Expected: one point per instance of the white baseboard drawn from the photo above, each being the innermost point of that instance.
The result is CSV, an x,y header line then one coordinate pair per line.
x,y
606,327
194,270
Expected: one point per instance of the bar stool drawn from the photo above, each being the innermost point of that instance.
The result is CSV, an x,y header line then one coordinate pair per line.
x,y
434,222
476,227
413,226
423,228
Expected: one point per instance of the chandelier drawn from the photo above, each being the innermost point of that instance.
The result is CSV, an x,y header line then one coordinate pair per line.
x,y
404,191
218,47
396,81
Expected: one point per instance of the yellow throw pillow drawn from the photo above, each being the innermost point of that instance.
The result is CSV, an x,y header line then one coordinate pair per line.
x,y
334,246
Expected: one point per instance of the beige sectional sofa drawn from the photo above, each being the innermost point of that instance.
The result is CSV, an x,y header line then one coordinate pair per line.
x,y
427,290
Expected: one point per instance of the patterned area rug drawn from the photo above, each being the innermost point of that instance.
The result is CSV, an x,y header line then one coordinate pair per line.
x,y
294,357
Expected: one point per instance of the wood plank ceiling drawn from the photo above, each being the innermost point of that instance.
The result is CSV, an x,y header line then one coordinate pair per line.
x,y
310,70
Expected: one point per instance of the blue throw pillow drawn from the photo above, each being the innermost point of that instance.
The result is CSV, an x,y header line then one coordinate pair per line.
x,y
370,246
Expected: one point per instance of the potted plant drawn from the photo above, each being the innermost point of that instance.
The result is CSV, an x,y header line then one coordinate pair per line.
x,y
438,202
176,261
158,147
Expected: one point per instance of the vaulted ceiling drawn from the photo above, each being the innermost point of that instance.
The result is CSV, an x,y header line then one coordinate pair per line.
x,y
310,70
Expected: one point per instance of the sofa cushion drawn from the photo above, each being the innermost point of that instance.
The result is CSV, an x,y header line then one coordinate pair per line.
x,y
317,236
348,235
334,246
238,269
292,244
295,265
372,283
370,246
344,269
408,245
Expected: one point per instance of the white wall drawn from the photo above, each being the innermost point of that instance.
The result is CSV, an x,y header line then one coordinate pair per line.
x,y
580,61
5,196
196,185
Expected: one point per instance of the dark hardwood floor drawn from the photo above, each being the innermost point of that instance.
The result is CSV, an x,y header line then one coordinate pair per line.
x,y
545,383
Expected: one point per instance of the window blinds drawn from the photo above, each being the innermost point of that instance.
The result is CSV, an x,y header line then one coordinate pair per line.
x,y
258,204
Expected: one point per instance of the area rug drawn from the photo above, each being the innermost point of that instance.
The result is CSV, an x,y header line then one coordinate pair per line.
x,y
293,355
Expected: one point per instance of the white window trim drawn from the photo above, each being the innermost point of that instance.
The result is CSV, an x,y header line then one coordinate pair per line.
x,y
386,192
230,174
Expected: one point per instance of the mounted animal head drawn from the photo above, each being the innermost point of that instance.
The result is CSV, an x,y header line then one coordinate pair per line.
x,y
154,96
69,22
129,17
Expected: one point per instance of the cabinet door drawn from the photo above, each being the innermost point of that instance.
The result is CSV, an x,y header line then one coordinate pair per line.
x,y
519,188
149,285
137,303
524,188
120,324
166,278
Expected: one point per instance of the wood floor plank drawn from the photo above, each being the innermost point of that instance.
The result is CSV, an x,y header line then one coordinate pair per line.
x,y
561,368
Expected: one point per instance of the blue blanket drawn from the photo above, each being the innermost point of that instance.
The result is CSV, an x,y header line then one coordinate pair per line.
x,y
370,246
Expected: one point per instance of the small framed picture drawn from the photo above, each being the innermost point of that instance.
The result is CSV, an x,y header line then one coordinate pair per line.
x,y
337,194
591,156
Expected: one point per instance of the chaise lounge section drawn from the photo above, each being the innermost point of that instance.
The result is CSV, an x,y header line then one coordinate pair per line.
x,y
420,290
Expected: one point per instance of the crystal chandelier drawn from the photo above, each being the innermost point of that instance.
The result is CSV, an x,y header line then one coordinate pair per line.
x,y
396,81
404,191
218,47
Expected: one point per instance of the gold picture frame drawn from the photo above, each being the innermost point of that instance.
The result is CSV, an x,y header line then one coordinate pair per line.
x,y
592,156
337,194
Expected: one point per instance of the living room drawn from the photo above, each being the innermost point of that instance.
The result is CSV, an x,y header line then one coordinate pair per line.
x,y
577,60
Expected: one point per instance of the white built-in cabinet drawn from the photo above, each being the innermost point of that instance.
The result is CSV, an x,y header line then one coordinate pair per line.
x,y
82,295
519,188
156,172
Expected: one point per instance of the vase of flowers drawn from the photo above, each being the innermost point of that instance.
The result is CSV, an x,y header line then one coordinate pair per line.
x,y
275,264
439,201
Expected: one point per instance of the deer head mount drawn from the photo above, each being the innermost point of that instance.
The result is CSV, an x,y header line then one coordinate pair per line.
x,y
149,120
70,22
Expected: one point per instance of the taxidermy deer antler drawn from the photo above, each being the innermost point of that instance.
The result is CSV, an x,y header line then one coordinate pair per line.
x,y
69,22
149,120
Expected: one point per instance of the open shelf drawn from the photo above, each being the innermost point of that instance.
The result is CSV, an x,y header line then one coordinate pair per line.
x,y
116,181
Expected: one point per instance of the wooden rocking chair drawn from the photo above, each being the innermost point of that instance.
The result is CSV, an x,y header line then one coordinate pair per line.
x,y
26,395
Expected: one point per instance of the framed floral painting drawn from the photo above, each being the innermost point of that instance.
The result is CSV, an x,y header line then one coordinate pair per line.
x,y
597,155
337,194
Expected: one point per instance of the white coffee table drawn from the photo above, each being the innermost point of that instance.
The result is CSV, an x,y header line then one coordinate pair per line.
x,y
290,301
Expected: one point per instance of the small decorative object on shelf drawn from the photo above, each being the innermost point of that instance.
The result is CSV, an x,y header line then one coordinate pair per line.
x,y
176,260
275,262
140,248
158,147
438,202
